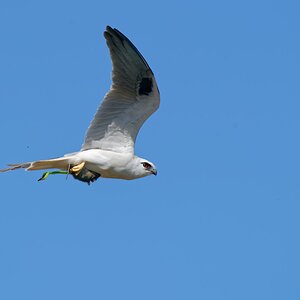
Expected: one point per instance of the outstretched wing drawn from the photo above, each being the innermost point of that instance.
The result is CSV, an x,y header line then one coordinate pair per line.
x,y
132,98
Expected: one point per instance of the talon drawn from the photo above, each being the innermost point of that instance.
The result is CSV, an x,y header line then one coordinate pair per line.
x,y
76,169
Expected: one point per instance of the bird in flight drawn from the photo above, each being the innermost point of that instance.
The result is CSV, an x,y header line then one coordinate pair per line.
x,y
108,148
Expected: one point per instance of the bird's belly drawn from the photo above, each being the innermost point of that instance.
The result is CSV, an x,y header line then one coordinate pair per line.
x,y
111,172
108,164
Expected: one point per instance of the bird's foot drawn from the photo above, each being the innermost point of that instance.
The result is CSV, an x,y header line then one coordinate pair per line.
x,y
75,170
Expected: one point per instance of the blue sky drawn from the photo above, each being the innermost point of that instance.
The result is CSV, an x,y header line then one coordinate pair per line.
x,y
221,219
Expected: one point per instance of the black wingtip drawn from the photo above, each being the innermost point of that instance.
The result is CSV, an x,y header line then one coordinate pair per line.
x,y
114,32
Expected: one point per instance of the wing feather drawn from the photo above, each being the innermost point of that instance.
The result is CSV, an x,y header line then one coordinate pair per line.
x,y
132,98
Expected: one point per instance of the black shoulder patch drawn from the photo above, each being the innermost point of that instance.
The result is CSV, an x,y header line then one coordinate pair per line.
x,y
146,85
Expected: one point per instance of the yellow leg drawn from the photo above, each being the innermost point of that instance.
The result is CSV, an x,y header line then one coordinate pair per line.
x,y
76,169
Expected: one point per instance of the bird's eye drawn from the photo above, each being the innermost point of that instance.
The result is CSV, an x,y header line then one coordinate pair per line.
x,y
146,165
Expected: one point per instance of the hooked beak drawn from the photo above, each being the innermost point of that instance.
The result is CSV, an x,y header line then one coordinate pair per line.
x,y
154,172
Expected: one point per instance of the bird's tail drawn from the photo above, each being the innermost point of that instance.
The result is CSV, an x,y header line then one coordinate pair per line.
x,y
62,163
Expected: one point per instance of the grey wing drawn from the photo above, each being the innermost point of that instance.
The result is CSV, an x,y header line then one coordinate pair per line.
x,y
132,98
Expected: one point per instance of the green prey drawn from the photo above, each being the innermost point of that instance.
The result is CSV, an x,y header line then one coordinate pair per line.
x,y
77,171
46,174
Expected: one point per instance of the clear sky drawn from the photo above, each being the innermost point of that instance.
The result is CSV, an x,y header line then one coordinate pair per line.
x,y
221,219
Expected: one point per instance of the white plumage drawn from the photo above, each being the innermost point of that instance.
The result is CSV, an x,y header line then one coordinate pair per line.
x,y
108,148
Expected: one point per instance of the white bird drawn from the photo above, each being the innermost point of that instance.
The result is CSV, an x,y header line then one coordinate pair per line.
x,y
108,148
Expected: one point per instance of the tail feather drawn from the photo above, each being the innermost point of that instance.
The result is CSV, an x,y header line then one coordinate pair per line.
x,y
15,167
61,163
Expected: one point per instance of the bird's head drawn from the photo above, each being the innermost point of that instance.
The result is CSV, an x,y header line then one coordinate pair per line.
x,y
145,167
